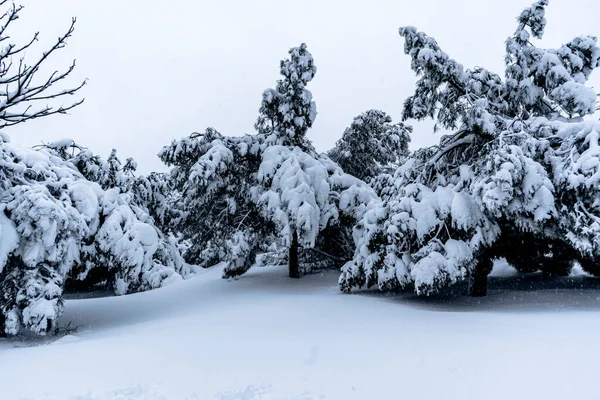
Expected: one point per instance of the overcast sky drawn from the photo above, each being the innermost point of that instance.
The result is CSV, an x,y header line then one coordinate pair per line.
x,y
159,70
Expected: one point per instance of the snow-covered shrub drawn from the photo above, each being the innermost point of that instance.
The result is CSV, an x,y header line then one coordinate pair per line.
x,y
516,179
370,144
56,225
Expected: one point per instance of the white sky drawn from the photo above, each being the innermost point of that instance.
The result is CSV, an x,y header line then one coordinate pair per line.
x,y
160,70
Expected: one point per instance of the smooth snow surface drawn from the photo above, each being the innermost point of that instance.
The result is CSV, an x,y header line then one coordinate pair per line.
x,y
268,337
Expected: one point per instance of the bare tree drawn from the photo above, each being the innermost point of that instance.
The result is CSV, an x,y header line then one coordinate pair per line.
x,y
22,97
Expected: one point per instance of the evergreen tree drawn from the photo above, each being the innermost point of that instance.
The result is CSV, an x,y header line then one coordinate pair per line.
x,y
508,182
153,194
37,228
59,227
303,195
371,144
241,196
288,111
107,258
214,176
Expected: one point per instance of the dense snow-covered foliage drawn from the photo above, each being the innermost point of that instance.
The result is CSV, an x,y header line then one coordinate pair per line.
x,y
305,194
288,111
241,197
370,144
213,178
517,178
56,225
237,197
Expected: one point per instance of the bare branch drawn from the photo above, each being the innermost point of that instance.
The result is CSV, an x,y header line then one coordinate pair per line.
x,y
11,120
12,47
20,92
12,13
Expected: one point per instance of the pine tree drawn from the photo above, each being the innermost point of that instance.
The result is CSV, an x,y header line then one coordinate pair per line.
x,y
126,251
60,230
288,111
153,194
214,178
238,197
303,195
371,144
508,182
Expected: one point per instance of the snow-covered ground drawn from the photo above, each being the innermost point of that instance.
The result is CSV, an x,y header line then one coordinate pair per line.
x,y
269,337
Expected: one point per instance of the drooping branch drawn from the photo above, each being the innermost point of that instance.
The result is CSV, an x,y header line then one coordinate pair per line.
x,y
452,146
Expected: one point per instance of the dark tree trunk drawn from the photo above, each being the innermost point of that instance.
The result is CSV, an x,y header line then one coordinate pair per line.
x,y
478,277
2,327
293,257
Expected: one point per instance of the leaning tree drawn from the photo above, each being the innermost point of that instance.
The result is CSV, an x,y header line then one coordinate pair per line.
x,y
517,177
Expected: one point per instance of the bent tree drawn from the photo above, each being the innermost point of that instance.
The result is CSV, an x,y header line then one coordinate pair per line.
x,y
517,177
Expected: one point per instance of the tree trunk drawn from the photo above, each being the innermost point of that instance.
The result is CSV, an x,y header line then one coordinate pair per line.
x,y
293,257
2,327
478,277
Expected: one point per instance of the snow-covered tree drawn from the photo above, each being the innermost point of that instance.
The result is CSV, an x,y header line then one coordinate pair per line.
x,y
56,225
510,181
214,176
109,173
305,193
39,229
371,143
288,111
269,192
241,198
